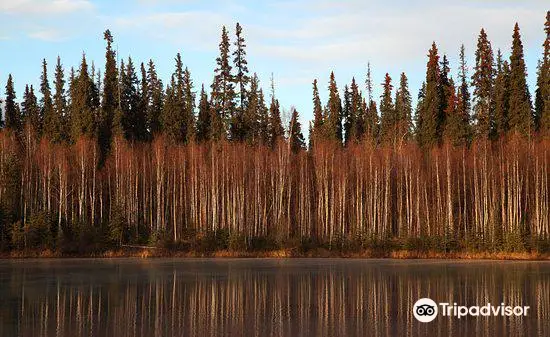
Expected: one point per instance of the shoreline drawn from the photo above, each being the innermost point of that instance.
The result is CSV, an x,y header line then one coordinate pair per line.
x,y
283,253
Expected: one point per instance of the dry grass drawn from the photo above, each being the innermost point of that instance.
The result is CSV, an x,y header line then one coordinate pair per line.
x,y
283,253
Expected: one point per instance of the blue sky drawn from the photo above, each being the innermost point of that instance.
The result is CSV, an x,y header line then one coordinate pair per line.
x,y
297,41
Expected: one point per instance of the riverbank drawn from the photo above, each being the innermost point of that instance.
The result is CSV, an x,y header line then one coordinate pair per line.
x,y
282,253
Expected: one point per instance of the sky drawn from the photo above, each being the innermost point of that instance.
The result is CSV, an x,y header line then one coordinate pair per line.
x,y
296,41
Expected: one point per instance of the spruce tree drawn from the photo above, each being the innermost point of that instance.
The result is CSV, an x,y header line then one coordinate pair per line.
x,y
144,103
542,103
353,116
444,91
295,136
419,114
109,98
239,127
118,128
368,84
463,97
250,116
372,126
46,100
347,118
12,113
455,131
431,114
82,104
156,98
204,118
318,118
483,80
403,109
188,106
501,94
356,123
360,118
276,130
96,95
223,92
519,115
263,120
171,114
388,117
130,103
68,117
53,119
333,120
178,114
30,111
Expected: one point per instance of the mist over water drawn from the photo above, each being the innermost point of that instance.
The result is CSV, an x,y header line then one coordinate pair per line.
x,y
265,297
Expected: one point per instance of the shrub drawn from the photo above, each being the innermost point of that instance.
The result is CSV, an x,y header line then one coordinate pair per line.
x,y
38,233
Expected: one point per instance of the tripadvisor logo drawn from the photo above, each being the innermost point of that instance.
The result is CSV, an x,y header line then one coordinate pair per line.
x,y
425,310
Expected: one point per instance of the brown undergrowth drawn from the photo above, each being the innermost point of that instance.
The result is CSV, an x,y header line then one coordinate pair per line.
x,y
282,253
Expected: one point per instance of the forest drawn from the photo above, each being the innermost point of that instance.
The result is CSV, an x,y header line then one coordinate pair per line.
x,y
100,159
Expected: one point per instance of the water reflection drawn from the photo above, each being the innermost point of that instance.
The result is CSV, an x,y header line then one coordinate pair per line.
x,y
264,297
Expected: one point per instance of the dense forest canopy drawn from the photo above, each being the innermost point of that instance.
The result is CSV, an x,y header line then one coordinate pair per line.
x,y
97,158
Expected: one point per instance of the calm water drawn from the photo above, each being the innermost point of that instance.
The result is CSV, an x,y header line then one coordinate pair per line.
x,y
259,297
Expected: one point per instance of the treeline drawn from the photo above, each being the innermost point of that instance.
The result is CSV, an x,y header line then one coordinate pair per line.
x,y
122,158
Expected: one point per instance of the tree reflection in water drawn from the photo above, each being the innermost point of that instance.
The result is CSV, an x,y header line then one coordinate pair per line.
x,y
302,297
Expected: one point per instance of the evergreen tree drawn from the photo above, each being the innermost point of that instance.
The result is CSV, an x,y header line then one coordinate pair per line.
x,y
119,119
356,123
353,115
130,103
276,130
144,103
347,118
263,120
318,118
251,112
419,113
455,130
333,120
239,127
188,106
444,91
178,113
110,96
403,109
371,121
68,117
96,95
82,104
368,84
171,120
542,102
12,114
519,115
223,92
463,97
295,136
156,98
53,118
46,100
204,118
482,80
388,116
501,93
30,111
431,115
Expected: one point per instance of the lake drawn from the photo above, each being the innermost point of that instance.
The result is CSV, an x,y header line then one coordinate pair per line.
x,y
266,297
